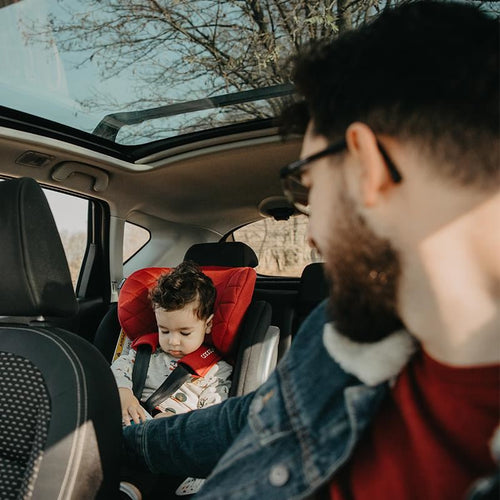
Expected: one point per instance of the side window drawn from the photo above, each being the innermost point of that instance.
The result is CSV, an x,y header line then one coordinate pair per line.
x,y
281,246
134,238
71,216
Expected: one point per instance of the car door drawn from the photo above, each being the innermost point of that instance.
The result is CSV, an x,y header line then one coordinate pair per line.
x,y
83,225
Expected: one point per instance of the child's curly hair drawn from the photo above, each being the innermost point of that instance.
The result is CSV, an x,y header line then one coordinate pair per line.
x,y
183,285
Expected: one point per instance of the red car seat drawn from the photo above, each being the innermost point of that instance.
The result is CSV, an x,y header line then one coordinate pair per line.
x,y
254,345
234,293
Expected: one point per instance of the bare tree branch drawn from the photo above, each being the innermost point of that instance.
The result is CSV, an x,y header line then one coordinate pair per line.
x,y
197,48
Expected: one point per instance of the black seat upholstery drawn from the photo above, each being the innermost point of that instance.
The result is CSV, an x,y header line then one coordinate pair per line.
x,y
60,430
313,289
292,301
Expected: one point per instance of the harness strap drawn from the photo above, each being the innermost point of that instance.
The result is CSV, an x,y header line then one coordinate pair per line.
x,y
174,381
201,361
140,369
197,363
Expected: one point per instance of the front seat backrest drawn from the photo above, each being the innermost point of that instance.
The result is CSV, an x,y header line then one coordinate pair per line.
x,y
60,430
313,289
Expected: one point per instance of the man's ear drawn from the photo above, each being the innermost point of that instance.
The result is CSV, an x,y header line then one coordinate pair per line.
x,y
208,324
375,177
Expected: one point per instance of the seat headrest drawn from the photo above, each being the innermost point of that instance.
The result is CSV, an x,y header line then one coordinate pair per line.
x,y
313,285
228,254
34,277
234,292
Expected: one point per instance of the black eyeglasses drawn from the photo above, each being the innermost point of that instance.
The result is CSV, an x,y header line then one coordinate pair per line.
x,y
291,174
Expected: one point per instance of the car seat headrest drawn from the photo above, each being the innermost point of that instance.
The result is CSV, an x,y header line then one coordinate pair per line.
x,y
34,277
313,284
229,254
234,292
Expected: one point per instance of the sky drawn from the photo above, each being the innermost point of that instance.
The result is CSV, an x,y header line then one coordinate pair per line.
x,y
39,78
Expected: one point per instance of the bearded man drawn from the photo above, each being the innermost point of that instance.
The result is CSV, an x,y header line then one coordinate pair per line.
x,y
392,389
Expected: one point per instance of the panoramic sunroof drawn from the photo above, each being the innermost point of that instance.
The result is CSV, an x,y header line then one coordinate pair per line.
x,y
136,72
149,74
191,116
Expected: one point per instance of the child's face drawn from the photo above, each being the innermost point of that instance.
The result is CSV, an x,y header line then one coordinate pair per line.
x,y
181,332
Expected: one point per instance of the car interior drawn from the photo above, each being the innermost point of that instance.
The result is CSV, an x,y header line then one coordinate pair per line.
x,y
85,206
135,136
190,224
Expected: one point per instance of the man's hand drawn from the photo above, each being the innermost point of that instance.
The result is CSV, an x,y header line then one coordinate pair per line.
x,y
131,407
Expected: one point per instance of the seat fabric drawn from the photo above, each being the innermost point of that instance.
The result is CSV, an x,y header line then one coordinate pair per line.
x,y
24,424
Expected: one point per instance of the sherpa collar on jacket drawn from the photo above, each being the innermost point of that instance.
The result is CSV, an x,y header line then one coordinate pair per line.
x,y
371,363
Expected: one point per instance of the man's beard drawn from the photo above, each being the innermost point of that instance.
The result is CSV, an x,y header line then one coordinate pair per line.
x,y
363,272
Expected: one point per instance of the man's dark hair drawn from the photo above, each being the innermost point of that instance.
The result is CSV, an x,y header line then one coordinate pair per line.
x,y
426,72
182,286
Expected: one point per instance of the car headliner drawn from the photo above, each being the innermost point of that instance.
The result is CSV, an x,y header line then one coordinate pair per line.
x,y
217,184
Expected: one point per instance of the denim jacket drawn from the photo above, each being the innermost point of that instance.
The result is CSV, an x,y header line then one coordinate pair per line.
x,y
288,438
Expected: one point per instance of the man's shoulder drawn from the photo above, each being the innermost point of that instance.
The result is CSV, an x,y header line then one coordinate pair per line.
x,y
370,363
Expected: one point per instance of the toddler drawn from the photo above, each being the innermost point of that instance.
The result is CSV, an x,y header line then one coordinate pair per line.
x,y
183,302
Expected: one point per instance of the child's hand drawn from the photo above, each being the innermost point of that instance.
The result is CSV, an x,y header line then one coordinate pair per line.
x,y
131,408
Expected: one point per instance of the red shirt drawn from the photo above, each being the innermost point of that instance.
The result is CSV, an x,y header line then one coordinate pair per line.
x,y
430,439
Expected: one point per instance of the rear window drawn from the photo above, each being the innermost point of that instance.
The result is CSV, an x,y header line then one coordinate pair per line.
x,y
281,246
134,238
